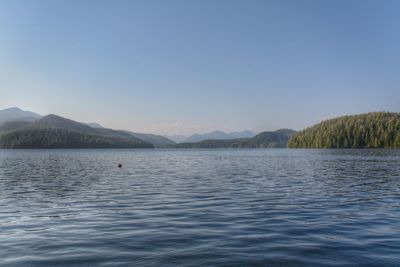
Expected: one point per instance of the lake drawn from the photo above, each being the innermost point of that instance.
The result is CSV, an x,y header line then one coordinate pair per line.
x,y
222,207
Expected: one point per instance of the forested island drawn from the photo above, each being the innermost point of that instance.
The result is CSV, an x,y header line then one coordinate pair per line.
x,y
371,130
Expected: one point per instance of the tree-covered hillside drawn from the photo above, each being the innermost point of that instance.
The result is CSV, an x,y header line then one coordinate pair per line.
x,y
56,132
371,130
13,125
277,138
64,138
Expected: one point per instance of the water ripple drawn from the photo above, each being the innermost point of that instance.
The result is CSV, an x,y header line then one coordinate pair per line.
x,y
261,207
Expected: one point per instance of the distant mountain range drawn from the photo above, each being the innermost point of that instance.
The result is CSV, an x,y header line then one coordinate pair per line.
x,y
25,129
218,135
177,138
276,139
13,118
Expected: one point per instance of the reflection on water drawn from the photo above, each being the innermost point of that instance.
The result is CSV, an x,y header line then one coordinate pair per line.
x,y
274,207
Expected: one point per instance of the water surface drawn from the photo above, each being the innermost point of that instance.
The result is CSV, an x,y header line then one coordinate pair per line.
x,y
265,207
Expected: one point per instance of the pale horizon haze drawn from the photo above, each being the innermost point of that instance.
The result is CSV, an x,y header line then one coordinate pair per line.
x,y
183,67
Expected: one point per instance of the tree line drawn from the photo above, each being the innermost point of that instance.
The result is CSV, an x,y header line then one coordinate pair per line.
x,y
371,130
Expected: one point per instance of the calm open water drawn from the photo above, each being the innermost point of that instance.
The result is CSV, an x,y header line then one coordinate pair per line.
x,y
266,207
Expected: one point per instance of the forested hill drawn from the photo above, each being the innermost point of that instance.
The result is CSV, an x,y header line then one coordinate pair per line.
x,y
370,130
56,132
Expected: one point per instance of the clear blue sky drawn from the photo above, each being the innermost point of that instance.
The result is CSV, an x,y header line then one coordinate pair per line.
x,y
195,66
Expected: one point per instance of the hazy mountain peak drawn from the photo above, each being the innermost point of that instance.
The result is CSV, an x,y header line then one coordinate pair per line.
x,y
17,114
18,111
94,125
12,109
178,138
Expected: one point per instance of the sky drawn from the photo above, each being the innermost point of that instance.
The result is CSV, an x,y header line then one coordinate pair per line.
x,y
180,67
